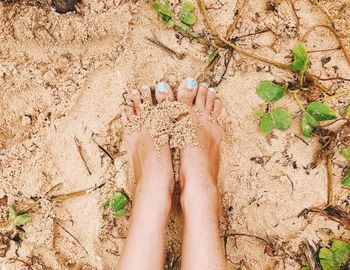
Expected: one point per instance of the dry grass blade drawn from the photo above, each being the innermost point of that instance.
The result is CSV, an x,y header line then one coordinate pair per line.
x,y
64,197
248,53
329,181
332,212
237,12
338,95
80,151
340,41
74,237
297,18
154,40
324,10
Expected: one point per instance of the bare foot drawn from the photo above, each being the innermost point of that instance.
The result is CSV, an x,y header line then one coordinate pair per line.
x,y
152,168
200,164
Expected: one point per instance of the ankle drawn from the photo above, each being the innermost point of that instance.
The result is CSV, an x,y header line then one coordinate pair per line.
x,y
203,195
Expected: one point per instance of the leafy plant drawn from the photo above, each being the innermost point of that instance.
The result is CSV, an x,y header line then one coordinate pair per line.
x,y
308,124
346,180
117,203
320,111
315,112
345,152
270,91
336,256
186,13
301,61
279,118
18,218
304,268
186,17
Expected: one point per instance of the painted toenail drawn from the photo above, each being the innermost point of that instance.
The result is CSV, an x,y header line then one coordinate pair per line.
x,y
129,103
211,90
135,92
216,100
162,87
144,87
203,84
190,84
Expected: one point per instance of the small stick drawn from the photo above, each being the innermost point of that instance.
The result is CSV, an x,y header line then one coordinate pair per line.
x,y
168,50
324,88
330,181
204,12
341,43
297,100
237,12
324,50
252,34
75,238
341,94
297,18
80,151
104,151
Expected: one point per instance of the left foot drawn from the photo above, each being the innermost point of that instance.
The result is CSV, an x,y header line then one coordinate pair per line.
x,y
152,168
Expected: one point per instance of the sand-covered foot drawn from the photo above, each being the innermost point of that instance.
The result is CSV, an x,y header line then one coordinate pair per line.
x,y
200,164
152,168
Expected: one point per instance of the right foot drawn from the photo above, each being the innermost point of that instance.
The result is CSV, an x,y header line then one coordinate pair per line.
x,y
200,164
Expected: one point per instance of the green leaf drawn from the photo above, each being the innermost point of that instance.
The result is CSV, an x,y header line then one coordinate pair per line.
x,y
163,7
22,219
320,111
118,201
186,13
304,268
346,180
120,213
213,56
266,123
301,62
328,260
341,251
345,152
347,112
12,212
282,119
182,26
278,118
270,91
308,123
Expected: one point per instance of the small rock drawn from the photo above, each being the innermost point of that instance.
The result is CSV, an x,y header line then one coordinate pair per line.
x,y
64,6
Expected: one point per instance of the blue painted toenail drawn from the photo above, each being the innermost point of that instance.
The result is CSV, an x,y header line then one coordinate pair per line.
x,y
191,83
162,87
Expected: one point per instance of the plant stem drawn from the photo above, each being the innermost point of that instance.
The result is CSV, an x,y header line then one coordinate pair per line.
x,y
329,181
344,93
248,53
297,100
334,32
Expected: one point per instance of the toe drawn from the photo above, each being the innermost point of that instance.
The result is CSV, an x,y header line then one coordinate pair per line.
x,y
146,94
163,92
187,91
130,110
210,98
123,117
201,95
222,116
217,106
136,98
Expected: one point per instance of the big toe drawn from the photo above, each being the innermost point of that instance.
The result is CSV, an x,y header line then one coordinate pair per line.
x,y
164,92
187,91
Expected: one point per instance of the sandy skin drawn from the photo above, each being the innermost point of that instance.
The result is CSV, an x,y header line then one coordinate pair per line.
x,y
202,247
